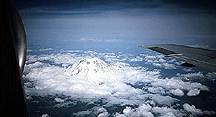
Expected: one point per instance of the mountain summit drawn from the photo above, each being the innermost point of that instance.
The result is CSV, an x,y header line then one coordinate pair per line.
x,y
92,69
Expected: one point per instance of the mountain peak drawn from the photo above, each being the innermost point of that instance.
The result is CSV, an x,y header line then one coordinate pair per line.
x,y
93,69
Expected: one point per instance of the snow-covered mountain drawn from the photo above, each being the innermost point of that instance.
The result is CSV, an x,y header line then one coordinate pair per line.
x,y
92,69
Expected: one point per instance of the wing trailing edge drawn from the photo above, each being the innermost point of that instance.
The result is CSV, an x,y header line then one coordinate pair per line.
x,y
204,58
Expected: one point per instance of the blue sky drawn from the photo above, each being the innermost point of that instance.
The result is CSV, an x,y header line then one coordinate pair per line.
x,y
141,22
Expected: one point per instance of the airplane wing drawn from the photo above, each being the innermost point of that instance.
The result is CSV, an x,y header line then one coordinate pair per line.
x,y
200,57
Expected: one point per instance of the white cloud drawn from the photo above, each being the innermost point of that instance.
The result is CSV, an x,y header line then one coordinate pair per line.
x,y
193,92
104,114
160,62
177,84
156,90
59,100
91,75
29,50
177,92
137,58
192,109
96,111
45,49
163,100
99,40
146,110
45,115
169,114
142,111
192,75
165,111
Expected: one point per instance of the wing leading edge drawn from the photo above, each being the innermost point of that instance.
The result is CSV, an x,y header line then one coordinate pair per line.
x,y
200,57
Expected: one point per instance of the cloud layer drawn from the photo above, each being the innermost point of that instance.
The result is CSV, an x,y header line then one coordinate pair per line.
x,y
88,75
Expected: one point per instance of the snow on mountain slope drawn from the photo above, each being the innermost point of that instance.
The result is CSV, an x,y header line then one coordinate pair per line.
x,y
92,69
